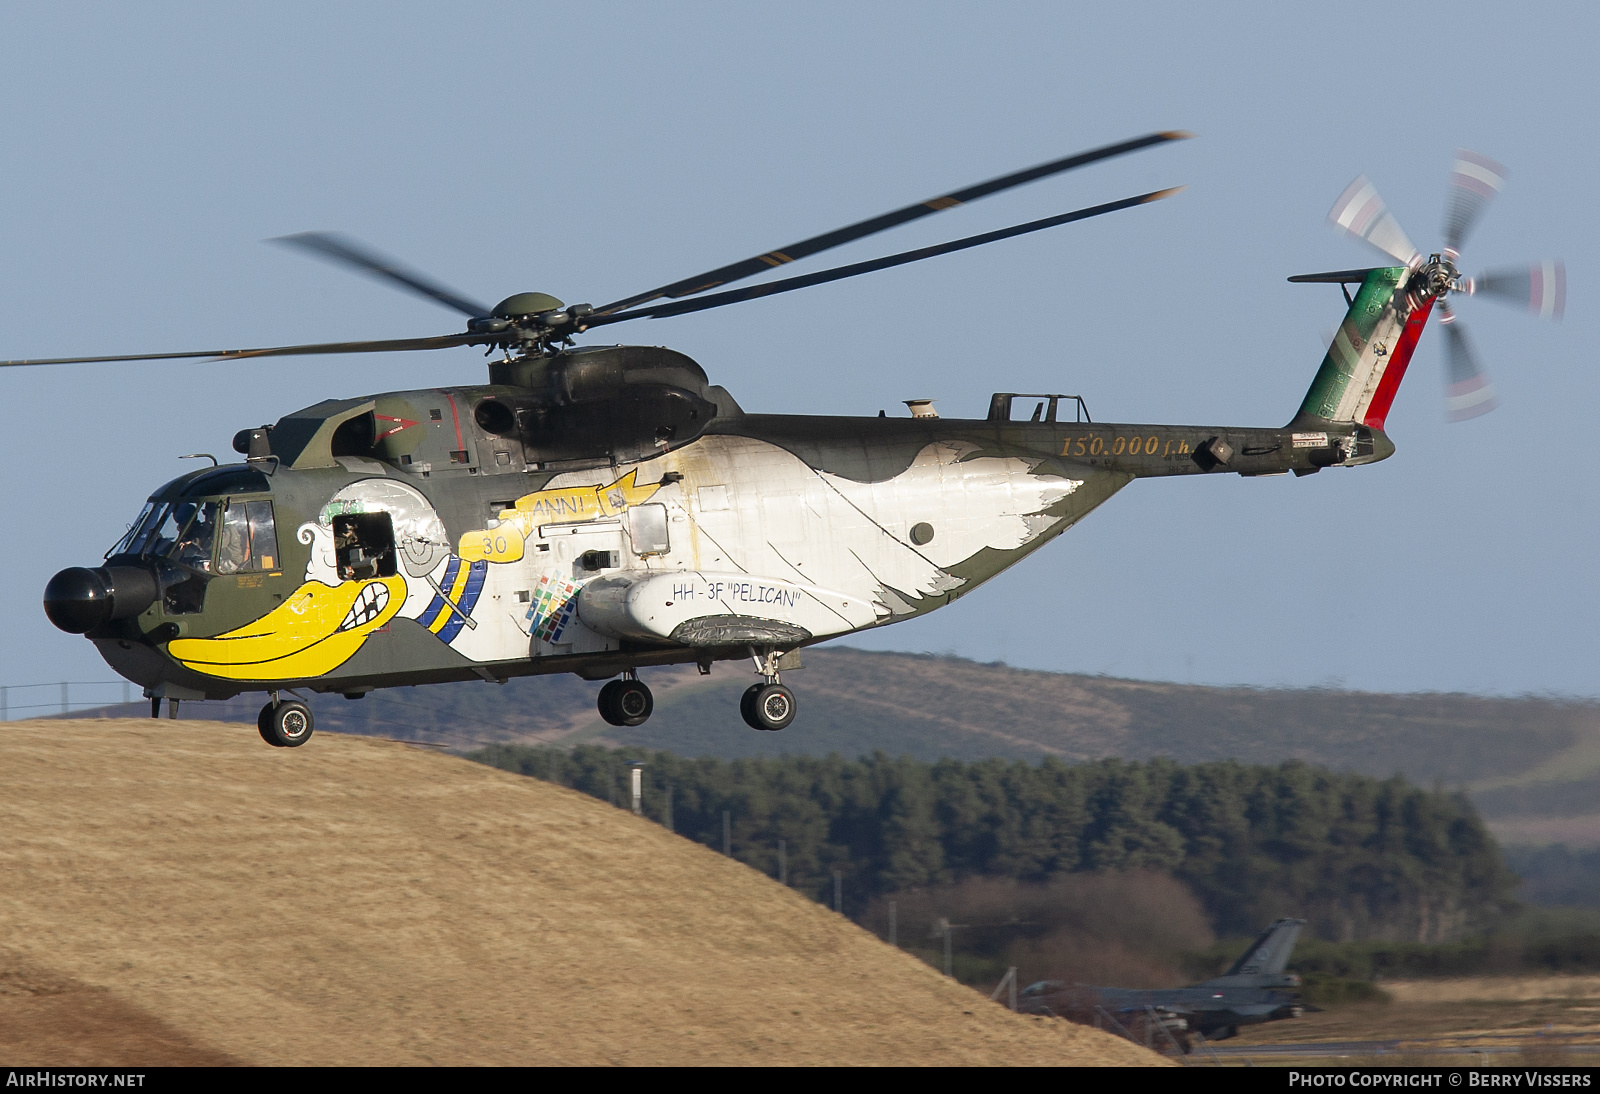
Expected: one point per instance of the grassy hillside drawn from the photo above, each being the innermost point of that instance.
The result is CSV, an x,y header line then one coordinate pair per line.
x,y
196,896
1532,764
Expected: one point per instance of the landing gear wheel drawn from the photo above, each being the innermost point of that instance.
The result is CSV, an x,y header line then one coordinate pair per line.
x,y
626,703
286,725
767,706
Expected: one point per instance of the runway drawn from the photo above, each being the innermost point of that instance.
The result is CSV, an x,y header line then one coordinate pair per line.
x,y
1511,1044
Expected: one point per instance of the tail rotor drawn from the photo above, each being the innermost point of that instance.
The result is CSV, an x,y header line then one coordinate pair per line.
x,y
1474,181
1467,391
1361,214
1541,288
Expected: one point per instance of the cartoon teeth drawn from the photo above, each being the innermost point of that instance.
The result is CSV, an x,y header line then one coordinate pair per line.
x,y
368,606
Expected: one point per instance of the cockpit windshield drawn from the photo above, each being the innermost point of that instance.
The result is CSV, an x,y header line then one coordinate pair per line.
x,y
183,531
137,532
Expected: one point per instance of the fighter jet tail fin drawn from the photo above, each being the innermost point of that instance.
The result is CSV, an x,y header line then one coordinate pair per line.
x,y
1263,963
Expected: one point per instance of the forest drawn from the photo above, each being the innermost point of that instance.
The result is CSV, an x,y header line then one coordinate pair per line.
x,y
1360,858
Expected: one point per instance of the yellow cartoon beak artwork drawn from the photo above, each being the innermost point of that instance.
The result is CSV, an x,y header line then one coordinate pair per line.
x,y
315,631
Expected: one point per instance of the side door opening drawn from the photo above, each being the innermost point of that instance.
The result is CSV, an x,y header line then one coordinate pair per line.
x,y
363,545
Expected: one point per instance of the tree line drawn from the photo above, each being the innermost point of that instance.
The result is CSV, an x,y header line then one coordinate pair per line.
x,y
1361,858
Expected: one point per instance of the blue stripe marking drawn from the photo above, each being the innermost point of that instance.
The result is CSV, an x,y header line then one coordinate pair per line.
x,y
430,615
469,600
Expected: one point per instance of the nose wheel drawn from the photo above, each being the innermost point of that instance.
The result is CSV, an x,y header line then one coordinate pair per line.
x,y
768,706
285,724
626,702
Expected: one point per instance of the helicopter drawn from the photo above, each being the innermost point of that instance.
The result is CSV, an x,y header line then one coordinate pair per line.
x,y
598,509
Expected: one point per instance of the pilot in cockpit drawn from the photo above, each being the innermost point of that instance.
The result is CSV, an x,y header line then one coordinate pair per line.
x,y
194,547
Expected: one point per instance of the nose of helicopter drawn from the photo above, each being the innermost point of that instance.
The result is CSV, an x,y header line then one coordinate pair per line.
x,y
79,599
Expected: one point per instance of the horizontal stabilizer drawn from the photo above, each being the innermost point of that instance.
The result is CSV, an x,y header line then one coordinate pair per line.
x,y
1335,277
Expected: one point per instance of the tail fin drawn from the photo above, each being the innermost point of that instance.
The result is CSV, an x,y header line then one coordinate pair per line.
x,y
1368,358
1263,963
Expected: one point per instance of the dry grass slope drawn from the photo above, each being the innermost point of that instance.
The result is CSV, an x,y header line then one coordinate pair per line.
x,y
363,902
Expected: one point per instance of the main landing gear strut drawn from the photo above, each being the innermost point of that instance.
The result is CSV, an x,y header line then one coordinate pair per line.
x,y
285,723
626,702
768,705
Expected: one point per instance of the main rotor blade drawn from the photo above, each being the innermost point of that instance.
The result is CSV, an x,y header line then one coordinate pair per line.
x,y
1541,287
838,273
1467,393
1473,182
1361,213
349,252
393,345
749,267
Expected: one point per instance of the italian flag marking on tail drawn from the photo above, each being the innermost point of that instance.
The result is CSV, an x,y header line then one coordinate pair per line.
x,y
1368,357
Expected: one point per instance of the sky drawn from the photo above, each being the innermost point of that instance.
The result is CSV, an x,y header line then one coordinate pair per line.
x,y
596,150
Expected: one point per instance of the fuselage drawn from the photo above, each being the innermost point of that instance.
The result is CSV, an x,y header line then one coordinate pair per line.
x,y
452,534
1216,1012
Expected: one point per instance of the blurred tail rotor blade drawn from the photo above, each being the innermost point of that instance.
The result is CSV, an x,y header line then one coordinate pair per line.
x,y
1541,288
1361,213
1474,181
1467,392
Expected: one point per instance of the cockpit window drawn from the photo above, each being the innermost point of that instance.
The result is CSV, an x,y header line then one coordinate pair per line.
x,y
249,538
234,553
195,535
156,516
263,535
128,544
182,531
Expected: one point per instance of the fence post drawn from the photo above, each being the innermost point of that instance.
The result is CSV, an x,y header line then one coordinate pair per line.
x,y
1116,1025
1205,1044
1151,1016
638,786
1009,980
727,834
63,697
5,704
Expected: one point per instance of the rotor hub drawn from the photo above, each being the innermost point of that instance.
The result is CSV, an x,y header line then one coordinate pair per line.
x,y
1439,276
